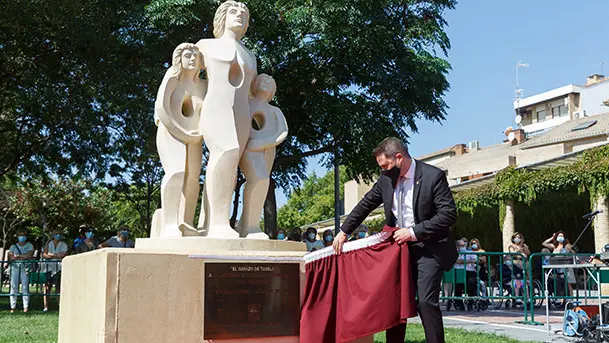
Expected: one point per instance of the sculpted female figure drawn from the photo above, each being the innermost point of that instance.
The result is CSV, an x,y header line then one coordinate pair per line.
x,y
177,111
225,119
257,160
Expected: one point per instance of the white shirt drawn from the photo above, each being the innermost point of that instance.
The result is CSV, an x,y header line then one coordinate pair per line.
x,y
61,248
405,186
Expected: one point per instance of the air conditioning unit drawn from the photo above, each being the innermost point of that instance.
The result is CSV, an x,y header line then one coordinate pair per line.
x,y
576,115
473,146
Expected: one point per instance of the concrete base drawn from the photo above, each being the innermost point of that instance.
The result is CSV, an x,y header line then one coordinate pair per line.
x,y
235,246
154,293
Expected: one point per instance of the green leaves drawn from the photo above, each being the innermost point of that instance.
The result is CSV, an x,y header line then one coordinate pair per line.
x,y
312,202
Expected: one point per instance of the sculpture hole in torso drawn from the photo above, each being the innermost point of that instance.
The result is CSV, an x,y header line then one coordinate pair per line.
x,y
187,107
235,74
258,121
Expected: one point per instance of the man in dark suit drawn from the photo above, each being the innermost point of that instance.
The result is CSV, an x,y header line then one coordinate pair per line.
x,y
418,201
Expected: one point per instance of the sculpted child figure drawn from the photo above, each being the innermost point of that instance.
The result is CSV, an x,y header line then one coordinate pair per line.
x,y
257,160
179,142
225,119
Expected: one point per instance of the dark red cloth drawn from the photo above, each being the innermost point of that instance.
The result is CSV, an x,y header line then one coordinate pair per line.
x,y
358,293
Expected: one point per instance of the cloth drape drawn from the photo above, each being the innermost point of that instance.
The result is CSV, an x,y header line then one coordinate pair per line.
x,y
366,289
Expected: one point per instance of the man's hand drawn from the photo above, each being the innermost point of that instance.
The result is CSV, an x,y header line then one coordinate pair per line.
x,y
402,235
339,240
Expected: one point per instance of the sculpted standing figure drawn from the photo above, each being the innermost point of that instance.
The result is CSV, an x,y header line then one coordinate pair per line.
x,y
226,118
257,160
177,112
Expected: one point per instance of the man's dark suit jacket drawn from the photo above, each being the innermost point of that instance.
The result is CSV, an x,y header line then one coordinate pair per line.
x,y
434,211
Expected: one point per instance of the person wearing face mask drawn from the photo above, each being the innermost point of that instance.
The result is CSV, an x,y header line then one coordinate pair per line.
x,y
121,240
20,251
311,240
517,245
81,237
559,244
419,211
55,249
281,235
359,233
467,262
328,238
481,266
512,276
90,243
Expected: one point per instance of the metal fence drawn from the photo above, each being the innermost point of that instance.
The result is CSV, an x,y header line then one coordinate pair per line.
x,y
486,279
481,280
29,278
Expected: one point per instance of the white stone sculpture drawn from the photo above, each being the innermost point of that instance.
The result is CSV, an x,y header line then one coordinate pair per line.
x,y
257,160
179,142
225,119
218,110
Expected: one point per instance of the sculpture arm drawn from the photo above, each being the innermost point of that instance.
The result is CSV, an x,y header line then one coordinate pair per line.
x,y
274,138
162,110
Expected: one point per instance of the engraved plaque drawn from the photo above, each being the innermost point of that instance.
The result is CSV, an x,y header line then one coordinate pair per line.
x,y
251,300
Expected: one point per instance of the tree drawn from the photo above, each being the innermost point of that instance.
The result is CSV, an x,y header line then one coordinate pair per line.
x,y
312,202
64,204
349,72
9,220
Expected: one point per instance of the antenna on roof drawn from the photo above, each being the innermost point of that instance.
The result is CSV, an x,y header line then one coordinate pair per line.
x,y
602,66
519,91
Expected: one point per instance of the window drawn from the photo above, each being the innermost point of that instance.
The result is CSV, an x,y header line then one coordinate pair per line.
x,y
560,111
584,125
541,115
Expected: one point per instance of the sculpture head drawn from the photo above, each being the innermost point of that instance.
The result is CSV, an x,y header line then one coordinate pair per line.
x,y
231,15
264,86
187,57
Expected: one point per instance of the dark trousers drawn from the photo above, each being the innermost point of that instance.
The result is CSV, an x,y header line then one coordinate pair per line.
x,y
427,274
472,288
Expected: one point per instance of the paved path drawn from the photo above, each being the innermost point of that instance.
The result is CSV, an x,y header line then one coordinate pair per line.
x,y
503,322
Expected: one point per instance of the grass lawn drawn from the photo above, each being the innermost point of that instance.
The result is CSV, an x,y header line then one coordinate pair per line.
x,y
415,334
34,326
37,326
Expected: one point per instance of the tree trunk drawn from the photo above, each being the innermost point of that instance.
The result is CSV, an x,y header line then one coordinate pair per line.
x,y
270,211
601,223
147,225
509,224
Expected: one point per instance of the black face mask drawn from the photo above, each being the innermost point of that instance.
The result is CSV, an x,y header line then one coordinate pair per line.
x,y
393,173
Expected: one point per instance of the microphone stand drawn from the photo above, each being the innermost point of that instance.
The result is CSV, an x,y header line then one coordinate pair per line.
x,y
575,248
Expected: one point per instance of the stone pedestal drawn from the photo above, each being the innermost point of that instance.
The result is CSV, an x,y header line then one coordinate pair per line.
x,y
156,292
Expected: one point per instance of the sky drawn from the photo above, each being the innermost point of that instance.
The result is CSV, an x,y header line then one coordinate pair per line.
x,y
563,41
